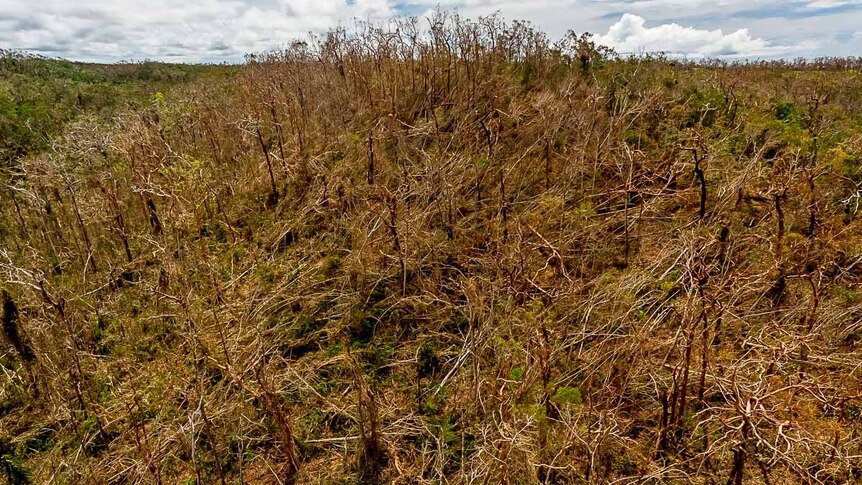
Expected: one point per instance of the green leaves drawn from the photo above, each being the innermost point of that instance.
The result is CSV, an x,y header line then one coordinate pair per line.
x,y
567,395
784,111
38,96
11,465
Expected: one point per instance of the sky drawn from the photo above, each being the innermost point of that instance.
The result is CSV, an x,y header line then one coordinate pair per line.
x,y
224,30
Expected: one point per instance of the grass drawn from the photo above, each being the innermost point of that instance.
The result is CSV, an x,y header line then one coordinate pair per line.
x,y
469,255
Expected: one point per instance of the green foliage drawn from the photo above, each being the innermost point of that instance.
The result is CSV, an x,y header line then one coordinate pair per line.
x,y
670,282
844,164
265,273
516,373
567,395
39,96
11,464
361,330
670,82
428,364
849,296
442,429
784,112
375,359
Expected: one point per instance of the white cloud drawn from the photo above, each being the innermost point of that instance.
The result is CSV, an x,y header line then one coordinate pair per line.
x,y
166,29
631,35
832,3
215,30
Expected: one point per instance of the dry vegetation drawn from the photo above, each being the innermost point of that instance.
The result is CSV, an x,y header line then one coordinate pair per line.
x,y
442,252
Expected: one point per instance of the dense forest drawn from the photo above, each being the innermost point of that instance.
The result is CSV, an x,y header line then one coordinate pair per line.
x,y
435,251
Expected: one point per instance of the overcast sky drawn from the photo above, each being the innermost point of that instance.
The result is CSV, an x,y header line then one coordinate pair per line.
x,y
223,30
